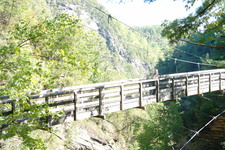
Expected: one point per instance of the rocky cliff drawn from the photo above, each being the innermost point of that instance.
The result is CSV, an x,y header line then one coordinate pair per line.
x,y
124,57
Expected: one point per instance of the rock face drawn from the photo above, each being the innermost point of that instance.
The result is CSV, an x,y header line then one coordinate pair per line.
x,y
121,57
90,134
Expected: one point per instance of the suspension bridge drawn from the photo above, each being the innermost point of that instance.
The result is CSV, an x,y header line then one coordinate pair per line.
x,y
96,100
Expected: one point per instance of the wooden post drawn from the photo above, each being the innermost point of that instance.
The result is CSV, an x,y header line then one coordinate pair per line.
x,y
13,107
101,97
46,100
75,105
210,82
48,119
157,91
199,89
186,92
173,90
141,96
220,83
121,97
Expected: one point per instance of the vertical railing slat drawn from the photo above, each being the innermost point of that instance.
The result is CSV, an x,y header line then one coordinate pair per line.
x,y
220,81
157,91
13,104
140,95
173,90
75,106
48,120
199,86
100,112
186,83
121,97
210,82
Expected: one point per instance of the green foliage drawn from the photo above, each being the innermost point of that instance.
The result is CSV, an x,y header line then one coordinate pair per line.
x,y
207,18
162,129
156,128
197,111
34,59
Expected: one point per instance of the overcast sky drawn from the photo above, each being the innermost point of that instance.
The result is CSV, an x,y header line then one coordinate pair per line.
x,y
137,13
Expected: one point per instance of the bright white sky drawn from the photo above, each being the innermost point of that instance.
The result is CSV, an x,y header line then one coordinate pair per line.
x,y
137,13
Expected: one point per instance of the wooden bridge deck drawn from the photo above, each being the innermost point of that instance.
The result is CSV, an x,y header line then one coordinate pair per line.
x,y
80,102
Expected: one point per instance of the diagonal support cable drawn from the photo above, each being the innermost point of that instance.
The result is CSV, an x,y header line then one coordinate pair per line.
x,y
202,129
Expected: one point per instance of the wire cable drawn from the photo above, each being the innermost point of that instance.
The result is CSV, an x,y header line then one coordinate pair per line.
x,y
146,35
142,33
197,63
186,52
175,59
201,129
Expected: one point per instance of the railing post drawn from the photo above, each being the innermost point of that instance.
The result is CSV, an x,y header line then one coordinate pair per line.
x,y
13,107
186,92
141,96
101,97
121,97
173,90
46,100
157,91
75,105
210,82
48,119
220,83
199,88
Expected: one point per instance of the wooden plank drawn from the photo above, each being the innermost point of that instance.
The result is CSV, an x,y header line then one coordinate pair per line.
x,y
148,88
167,90
109,91
109,105
134,91
114,108
89,94
149,100
117,94
63,98
130,88
87,114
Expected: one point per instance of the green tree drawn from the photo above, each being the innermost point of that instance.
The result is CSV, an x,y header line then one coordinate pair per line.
x,y
161,130
208,18
38,56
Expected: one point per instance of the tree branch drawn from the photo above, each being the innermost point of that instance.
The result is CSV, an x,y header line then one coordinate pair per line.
x,y
31,38
201,13
200,44
10,16
126,126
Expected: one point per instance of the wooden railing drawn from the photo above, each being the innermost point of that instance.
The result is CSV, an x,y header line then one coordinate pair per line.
x,y
79,102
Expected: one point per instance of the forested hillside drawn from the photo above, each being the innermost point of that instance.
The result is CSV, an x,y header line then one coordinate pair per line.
x,y
56,43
